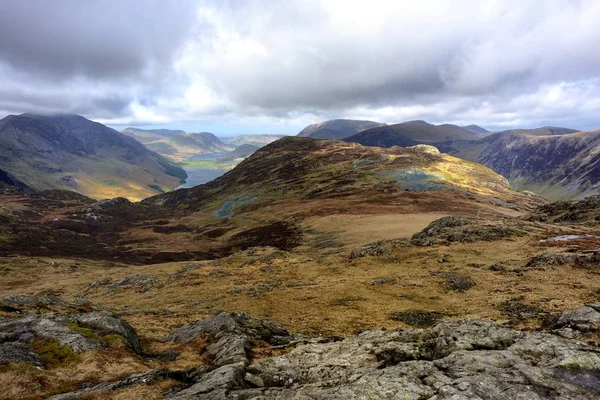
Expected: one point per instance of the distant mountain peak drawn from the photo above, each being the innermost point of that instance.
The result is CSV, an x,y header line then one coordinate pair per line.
x,y
417,122
337,128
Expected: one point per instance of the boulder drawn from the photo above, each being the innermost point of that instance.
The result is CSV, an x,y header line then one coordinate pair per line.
x,y
584,319
106,323
237,323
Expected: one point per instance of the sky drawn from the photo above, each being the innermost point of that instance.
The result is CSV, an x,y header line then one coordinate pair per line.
x,y
272,66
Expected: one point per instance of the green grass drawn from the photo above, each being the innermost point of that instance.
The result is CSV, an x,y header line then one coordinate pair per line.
x,y
112,340
53,353
202,164
210,164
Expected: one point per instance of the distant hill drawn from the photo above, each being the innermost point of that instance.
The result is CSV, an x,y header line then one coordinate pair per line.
x,y
151,133
411,133
254,140
558,163
476,129
178,145
241,152
306,174
337,128
71,152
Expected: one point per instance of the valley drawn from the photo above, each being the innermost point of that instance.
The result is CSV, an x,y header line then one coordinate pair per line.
x,y
335,239
299,200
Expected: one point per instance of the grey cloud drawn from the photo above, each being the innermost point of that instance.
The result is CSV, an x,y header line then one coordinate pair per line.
x,y
95,39
491,62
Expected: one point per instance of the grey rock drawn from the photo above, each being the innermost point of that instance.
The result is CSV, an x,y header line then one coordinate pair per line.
x,y
25,329
229,349
215,385
454,360
107,387
583,319
29,300
106,323
15,352
52,330
237,323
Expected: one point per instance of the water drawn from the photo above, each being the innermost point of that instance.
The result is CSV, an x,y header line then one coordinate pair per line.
x,y
199,176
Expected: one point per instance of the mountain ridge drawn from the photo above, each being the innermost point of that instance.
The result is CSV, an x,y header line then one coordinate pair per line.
x,y
337,128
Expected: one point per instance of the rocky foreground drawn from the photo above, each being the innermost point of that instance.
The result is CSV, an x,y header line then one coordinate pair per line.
x,y
465,359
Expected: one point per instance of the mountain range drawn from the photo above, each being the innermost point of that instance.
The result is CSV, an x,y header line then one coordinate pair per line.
x,y
559,163
176,144
71,152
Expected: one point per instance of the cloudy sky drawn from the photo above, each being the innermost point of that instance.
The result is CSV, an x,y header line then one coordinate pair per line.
x,y
274,66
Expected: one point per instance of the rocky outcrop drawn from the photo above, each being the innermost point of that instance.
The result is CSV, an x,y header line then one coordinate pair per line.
x,y
77,332
448,230
235,324
105,323
465,359
454,360
137,379
584,319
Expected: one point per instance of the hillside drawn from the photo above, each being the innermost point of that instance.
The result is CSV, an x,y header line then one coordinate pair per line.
x,y
558,163
412,133
337,128
558,167
554,162
254,140
178,145
311,176
241,152
71,152
405,261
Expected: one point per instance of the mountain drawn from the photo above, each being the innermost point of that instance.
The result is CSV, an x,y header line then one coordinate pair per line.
x,y
254,140
554,162
243,151
71,152
476,129
337,128
299,169
411,133
150,134
557,163
178,145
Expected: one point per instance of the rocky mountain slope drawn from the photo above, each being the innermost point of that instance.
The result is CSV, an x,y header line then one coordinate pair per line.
x,y
71,152
178,145
557,163
337,128
414,132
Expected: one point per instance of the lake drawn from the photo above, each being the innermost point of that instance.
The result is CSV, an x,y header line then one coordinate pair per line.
x,y
199,176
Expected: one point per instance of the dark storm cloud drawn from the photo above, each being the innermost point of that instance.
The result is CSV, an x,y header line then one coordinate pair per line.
x,y
95,39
